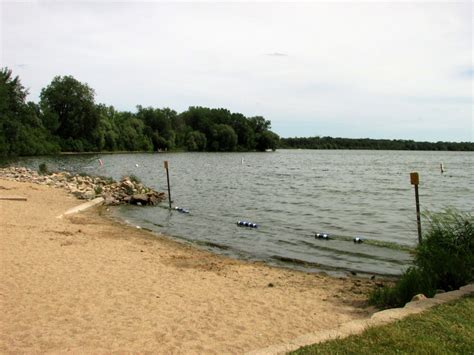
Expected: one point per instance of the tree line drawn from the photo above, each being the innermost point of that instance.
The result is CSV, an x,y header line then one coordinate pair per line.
x,y
373,144
67,119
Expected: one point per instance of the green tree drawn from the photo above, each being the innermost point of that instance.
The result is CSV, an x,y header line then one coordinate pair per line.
x,y
159,127
267,140
224,138
196,141
245,132
69,111
21,130
131,133
259,124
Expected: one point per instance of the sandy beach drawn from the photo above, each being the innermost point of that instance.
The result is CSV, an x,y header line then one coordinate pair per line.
x,y
85,283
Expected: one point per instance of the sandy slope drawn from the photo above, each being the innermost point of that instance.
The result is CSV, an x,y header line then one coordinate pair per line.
x,y
87,284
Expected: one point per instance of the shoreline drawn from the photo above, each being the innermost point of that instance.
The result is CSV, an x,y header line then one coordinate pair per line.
x,y
275,262
132,191
87,283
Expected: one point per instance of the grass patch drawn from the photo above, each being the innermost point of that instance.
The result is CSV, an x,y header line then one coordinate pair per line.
x,y
135,179
444,329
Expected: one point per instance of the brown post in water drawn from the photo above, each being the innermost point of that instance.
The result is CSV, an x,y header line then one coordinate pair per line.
x,y
168,181
415,180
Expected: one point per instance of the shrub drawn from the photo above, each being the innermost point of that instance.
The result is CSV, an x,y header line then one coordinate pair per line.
x,y
43,169
135,179
443,260
412,282
98,190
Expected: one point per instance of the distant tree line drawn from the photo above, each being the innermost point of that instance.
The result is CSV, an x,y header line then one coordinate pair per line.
x,y
67,119
374,144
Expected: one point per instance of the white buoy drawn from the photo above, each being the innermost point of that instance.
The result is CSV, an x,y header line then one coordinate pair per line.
x,y
136,165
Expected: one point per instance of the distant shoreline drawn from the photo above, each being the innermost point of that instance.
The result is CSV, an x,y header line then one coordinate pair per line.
x,y
285,148
324,143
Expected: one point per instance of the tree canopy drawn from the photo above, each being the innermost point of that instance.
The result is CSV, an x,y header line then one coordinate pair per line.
x,y
67,118
21,129
70,113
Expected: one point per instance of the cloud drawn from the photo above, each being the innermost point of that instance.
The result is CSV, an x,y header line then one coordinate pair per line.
x,y
466,73
277,54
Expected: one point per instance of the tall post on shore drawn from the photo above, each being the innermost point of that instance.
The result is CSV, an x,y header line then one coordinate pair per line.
x,y
168,181
415,180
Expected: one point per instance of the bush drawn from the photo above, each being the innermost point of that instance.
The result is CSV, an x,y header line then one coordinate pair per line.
x,y
98,190
412,282
135,179
443,260
43,169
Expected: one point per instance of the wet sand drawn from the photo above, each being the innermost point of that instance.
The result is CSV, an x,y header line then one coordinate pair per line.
x,y
85,283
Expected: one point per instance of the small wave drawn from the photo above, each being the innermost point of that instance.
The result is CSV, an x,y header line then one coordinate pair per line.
x,y
368,254
212,244
314,265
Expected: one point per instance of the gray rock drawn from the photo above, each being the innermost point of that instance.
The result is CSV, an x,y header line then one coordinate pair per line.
x,y
88,195
110,201
139,199
127,184
418,297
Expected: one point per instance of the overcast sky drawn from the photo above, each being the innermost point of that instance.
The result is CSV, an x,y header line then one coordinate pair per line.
x,y
347,69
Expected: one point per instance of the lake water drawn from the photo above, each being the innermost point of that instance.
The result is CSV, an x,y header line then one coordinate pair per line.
x,y
291,195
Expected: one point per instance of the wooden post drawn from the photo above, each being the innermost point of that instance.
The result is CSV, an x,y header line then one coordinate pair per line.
x,y
415,180
168,181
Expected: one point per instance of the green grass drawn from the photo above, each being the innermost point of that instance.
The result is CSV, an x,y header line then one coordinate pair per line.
x,y
444,329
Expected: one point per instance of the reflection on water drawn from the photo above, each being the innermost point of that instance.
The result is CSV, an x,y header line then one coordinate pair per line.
x,y
293,194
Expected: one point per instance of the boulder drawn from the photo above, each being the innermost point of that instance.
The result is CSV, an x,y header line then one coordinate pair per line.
x,y
127,184
418,297
141,199
155,197
87,195
109,200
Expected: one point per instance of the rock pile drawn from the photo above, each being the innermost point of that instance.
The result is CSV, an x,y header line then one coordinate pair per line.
x,y
126,191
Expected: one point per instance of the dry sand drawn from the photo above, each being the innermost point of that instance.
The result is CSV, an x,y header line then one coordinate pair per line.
x,y
85,283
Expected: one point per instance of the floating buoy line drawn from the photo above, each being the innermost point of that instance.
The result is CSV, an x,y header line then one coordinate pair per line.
x,y
324,235
247,224
182,210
